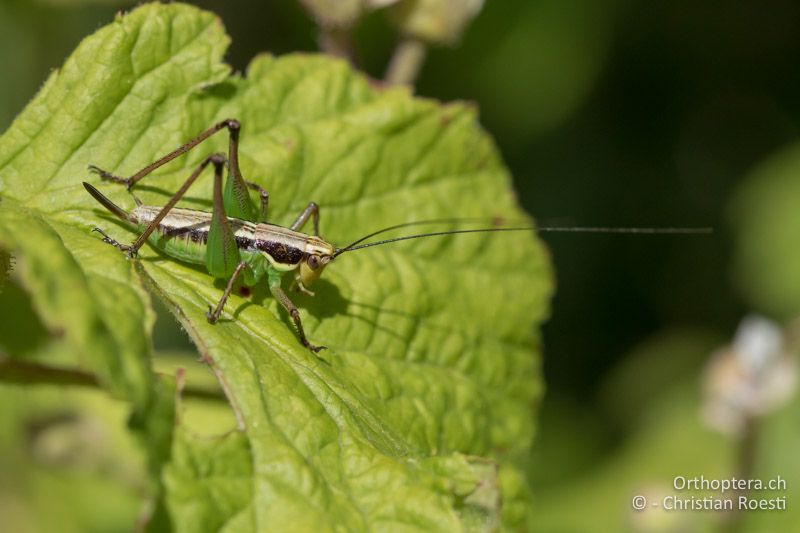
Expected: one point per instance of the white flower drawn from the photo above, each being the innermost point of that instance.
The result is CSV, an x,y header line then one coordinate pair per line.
x,y
753,376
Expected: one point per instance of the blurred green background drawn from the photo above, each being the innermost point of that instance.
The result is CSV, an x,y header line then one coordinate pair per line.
x,y
608,113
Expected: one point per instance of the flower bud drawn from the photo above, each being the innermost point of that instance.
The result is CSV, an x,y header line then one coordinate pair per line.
x,y
435,21
338,14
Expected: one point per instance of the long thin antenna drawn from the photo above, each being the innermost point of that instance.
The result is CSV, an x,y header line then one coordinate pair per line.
x,y
544,229
415,223
643,231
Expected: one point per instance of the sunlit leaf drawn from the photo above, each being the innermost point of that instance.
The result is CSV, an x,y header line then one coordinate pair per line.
x,y
426,389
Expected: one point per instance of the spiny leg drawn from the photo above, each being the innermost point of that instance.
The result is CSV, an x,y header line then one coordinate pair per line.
x,y
113,242
233,127
219,162
311,210
237,198
135,199
263,198
287,304
213,316
222,252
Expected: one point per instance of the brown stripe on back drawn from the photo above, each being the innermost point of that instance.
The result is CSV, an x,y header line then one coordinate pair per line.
x,y
282,253
190,234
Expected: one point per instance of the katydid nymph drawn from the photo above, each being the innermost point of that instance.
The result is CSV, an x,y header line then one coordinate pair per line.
x,y
236,241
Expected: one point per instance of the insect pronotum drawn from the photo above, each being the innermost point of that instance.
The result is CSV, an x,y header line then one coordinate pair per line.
x,y
235,240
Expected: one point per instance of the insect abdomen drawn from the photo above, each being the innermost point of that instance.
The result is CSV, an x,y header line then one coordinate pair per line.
x,y
183,233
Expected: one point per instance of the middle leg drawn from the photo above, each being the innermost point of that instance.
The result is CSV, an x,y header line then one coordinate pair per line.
x,y
213,316
311,210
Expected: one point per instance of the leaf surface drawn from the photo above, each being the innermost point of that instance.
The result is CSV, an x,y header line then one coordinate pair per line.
x,y
419,413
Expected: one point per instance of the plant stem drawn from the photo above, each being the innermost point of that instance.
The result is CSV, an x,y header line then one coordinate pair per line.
x,y
337,42
745,466
406,62
28,373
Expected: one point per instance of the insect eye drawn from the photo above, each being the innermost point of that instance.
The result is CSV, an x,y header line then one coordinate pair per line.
x,y
313,262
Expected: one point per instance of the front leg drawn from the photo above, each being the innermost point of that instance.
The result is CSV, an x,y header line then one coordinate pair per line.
x,y
277,292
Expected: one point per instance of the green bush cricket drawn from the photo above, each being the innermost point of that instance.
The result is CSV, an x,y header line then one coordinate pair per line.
x,y
235,240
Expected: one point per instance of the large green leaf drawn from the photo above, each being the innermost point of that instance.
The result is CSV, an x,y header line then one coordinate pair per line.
x,y
419,414
76,469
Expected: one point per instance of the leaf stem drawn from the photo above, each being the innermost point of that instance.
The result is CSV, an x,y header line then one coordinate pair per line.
x,y
406,62
28,373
